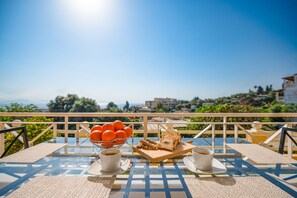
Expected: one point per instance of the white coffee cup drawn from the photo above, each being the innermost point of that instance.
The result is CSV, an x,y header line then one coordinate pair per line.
x,y
202,158
110,160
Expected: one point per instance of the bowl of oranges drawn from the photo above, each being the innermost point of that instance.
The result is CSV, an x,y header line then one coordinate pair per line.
x,y
110,135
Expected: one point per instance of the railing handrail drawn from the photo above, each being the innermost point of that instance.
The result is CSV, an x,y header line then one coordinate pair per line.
x,y
144,121
101,114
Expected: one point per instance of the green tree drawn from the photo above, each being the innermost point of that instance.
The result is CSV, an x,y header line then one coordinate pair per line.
x,y
178,107
62,103
57,105
134,109
260,90
268,89
71,99
196,101
72,103
222,108
84,105
15,107
126,107
111,106
280,107
162,108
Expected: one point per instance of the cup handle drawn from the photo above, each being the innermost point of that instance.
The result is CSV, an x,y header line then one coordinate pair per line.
x,y
122,164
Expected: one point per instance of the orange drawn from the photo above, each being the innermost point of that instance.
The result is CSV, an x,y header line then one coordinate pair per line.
x,y
128,131
122,135
96,127
96,135
108,135
107,126
118,125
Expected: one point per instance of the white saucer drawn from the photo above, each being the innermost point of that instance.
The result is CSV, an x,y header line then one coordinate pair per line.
x,y
95,168
217,166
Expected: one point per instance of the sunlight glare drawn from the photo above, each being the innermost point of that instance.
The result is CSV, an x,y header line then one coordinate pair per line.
x,y
89,11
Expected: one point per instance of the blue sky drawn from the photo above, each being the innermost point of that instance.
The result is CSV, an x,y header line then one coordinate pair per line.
x,y
118,50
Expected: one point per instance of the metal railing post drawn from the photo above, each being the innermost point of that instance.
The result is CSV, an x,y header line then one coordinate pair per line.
x,y
25,137
133,127
224,133
224,129
213,126
159,131
145,123
282,141
77,132
235,133
66,128
289,142
55,130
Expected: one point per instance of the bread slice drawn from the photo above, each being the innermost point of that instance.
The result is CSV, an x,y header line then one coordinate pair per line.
x,y
167,144
148,145
169,141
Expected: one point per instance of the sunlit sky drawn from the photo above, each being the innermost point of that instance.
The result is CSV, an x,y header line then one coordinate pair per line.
x,y
118,50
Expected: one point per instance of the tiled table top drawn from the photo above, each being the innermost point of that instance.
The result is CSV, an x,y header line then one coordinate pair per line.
x,y
143,179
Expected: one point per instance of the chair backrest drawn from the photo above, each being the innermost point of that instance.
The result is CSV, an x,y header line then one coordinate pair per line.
x,y
283,138
23,133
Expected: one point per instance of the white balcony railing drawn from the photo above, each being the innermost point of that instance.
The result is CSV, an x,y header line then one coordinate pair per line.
x,y
144,125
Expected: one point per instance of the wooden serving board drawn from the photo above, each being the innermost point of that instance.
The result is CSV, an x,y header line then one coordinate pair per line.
x,y
160,154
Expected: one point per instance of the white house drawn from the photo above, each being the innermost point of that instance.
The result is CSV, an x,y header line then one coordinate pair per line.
x,y
290,89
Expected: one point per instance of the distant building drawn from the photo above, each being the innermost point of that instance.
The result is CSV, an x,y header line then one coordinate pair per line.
x,y
146,110
193,107
151,104
289,91
279,95
170,102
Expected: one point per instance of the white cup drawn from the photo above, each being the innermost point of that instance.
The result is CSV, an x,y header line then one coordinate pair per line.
x,y
110,160
202,158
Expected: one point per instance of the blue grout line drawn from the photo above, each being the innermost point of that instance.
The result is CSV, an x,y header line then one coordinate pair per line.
x,y
129,182
31,171
150,190
238,166
186,189
289,178
147,179
55,163
278,169
238,171
10,174
156,179
271,179
165,182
